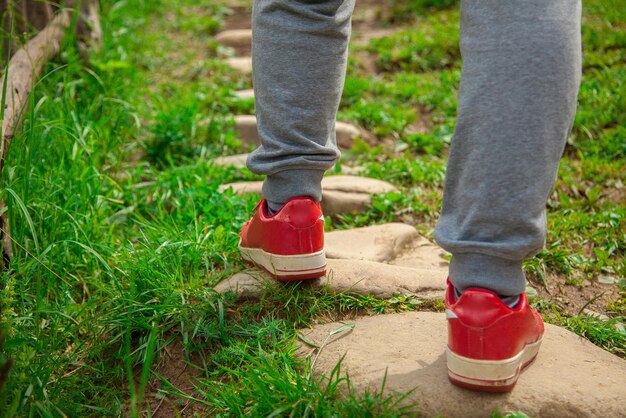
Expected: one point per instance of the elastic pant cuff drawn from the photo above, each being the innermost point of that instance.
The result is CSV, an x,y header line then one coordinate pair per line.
x,y
502,276
278,188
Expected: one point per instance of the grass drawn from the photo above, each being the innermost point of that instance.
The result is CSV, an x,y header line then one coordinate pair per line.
x,y
270,382
434,47
121,234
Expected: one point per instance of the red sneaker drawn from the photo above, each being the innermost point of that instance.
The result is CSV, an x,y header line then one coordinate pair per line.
x,y
489,343
290,244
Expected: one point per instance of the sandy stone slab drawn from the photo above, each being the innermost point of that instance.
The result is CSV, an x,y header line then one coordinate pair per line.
x,y
357,184
394,243
235,37
242,187
346,193
423,254
352,170
336,202
341,194
238,161
242,65
346,133
362,260
247,284
244,94
570,378
355,276
384,280
381,243
245,127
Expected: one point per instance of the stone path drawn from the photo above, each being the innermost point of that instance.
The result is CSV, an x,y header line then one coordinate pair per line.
x,y
246,129
242,65
570,378
237,161
246,94
240,40
381,261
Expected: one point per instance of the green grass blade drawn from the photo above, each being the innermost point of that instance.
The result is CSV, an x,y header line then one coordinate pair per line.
x,y
29,220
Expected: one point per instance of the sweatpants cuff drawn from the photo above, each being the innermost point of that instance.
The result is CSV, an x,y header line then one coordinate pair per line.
x,y
502,276
278,188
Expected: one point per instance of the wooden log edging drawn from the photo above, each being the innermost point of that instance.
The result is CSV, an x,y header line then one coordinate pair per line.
x,y
89,28
22,72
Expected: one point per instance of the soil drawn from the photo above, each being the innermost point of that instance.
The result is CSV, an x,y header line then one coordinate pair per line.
x,y
576,300
239,19
174,367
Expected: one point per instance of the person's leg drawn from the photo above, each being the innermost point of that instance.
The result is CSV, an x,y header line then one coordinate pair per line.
x,y
521,71
519,83
299,56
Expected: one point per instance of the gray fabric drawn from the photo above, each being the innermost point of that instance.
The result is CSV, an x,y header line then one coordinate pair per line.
x,y
521,71
299,57
510,301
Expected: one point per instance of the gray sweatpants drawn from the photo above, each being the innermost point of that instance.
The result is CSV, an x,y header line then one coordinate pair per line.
x,y
520,77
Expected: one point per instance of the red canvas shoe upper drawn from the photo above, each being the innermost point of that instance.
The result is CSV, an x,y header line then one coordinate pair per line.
x,y
482,327
297,228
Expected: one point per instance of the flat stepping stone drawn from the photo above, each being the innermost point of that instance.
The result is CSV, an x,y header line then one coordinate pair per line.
x,y
346,194
571,377
341,194
352,170
361,260
393,243
380,243
242,65
354,276
243,187
240,40
357,184
423,254
235,38
246,94
336,202
345,134
248,284
245,126
237,161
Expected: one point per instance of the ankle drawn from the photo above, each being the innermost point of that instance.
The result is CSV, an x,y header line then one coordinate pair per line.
x,y
511,301
279,188
502,276
272,207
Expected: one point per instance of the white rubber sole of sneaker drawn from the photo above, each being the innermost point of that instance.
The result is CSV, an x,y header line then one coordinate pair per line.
x,y
490,374
288,267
